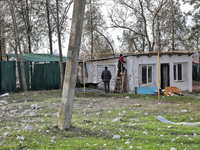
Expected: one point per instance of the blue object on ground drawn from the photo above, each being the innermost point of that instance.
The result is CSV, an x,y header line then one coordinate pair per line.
x,y
146,90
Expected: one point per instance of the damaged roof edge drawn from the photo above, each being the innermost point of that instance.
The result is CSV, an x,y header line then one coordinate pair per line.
x,y
147,54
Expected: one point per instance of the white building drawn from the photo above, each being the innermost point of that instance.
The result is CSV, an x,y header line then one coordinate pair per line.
x,y
142,70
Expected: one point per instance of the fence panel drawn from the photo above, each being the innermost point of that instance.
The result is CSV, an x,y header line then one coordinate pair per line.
x,y
46,76
7,76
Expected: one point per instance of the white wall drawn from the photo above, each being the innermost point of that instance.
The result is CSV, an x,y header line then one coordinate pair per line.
x,y
183,85
133,66
134,63
95,68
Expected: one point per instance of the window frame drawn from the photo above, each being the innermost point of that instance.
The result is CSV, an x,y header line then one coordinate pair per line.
x,y
176,72
147,73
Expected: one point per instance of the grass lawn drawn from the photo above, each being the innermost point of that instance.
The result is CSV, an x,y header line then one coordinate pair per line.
x,y
99,121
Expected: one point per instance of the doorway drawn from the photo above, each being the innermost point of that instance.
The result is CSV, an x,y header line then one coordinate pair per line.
x,y
165,81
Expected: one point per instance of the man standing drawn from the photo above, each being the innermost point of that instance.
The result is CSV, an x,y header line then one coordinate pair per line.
x,y
120,64
106,76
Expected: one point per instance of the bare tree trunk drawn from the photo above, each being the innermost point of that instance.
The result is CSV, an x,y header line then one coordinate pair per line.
x,y
59,45
143,43
49,27
1,43
18,44
15,49
158,35
91,30
173,32
145,25
2,35
150,43
71,65
28,27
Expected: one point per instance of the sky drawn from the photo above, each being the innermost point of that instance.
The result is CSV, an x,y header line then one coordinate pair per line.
x,y
186,8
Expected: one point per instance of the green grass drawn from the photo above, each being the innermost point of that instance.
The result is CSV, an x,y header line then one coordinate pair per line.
x,y
92,131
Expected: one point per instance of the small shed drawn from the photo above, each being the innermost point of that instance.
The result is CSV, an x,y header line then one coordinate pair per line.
x,y
175,69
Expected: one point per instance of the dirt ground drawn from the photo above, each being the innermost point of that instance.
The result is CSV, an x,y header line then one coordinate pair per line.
x,y
15,115
20,102
49,102
149,106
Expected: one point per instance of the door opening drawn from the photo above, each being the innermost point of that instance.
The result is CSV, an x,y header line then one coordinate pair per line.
x,y
165,82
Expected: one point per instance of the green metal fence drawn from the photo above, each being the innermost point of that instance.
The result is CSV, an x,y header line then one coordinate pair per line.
x,y
7,76
46,76
194,72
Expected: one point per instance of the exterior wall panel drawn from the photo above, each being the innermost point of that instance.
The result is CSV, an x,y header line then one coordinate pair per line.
x,y
46,76
8,76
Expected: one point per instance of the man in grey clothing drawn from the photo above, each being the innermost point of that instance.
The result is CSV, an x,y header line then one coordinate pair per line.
x,y
106,76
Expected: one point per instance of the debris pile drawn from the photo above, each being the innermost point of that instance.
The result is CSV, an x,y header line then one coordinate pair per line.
x,y
172,91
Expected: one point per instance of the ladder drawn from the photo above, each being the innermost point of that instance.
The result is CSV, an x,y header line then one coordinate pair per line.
x,y
118,83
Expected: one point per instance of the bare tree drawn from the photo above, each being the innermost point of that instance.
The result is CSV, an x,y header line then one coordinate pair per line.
x,y
2,34
28,26
137,17
12,11
66,108
49,27
173,26
95,38
59,22
194,36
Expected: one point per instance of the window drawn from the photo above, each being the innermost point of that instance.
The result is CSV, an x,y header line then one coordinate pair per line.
x,y
178,72
147,74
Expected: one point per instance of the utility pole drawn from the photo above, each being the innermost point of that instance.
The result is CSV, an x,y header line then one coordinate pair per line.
x,y
71,65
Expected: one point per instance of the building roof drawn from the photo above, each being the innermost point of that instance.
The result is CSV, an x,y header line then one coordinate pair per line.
x,y
38,57
149,54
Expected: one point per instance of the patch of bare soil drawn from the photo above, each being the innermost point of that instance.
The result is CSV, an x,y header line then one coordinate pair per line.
x,y
148,107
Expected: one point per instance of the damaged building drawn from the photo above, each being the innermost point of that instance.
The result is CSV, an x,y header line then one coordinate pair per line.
x,y
175,69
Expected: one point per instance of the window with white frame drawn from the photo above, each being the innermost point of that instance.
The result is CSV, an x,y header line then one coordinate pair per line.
x,y
147,72
178,72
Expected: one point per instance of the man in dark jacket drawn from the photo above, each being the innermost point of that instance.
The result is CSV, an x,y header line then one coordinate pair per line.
x,y
106,76
120,64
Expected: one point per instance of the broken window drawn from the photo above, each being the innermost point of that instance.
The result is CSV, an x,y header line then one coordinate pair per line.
x,y
178,72
147,74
